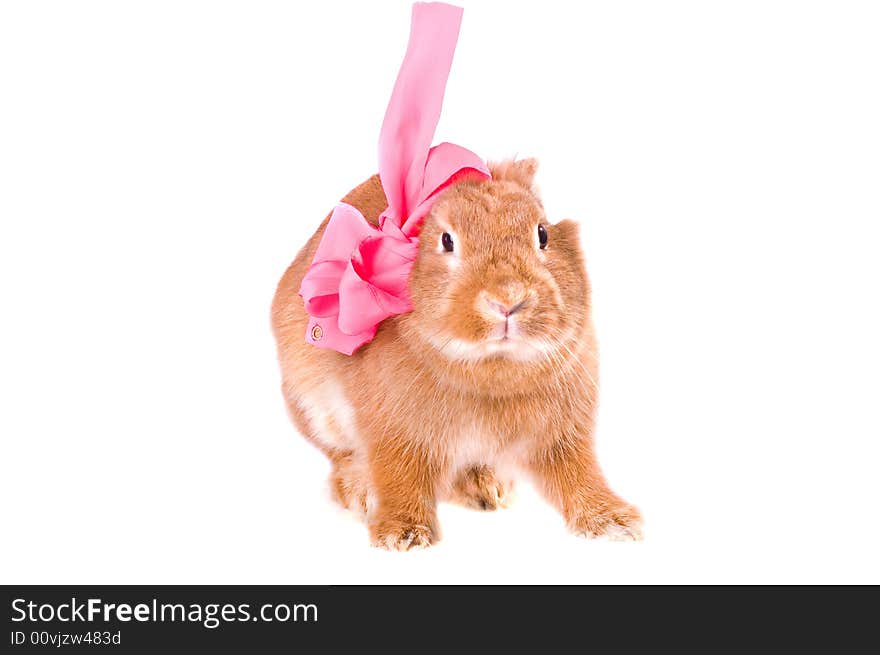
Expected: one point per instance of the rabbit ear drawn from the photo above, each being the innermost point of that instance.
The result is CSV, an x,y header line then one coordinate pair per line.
x,y
521,172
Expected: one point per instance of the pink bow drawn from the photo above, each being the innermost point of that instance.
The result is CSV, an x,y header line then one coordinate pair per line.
x,y
360,273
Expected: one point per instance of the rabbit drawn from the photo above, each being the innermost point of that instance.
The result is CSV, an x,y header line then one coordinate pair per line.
x,y
493,372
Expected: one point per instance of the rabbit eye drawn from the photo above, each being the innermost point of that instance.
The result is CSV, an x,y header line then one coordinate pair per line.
x,y
542,236
447,242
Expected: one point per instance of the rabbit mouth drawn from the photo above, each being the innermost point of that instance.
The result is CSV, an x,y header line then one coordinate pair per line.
x,y
506,330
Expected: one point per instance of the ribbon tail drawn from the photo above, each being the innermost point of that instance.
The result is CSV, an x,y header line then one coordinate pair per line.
x,y
415,105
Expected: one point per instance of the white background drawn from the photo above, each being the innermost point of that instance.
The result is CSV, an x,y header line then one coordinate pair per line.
x,y
161,163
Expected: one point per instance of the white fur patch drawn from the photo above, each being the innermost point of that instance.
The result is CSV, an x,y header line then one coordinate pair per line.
x,y
371,503
459,350
330,414
471,449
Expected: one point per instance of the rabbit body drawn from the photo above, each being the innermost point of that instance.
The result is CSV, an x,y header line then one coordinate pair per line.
x,y
493,373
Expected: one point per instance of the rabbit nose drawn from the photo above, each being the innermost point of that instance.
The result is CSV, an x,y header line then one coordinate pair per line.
x,y
504,309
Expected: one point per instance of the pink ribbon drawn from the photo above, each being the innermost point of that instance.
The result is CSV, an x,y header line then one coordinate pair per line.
x,y
360,273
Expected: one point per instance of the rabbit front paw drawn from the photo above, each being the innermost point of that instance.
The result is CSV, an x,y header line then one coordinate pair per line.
x,y
621,522
402,535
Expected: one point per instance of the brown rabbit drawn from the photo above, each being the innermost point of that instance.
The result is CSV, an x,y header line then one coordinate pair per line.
x,y
494,370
